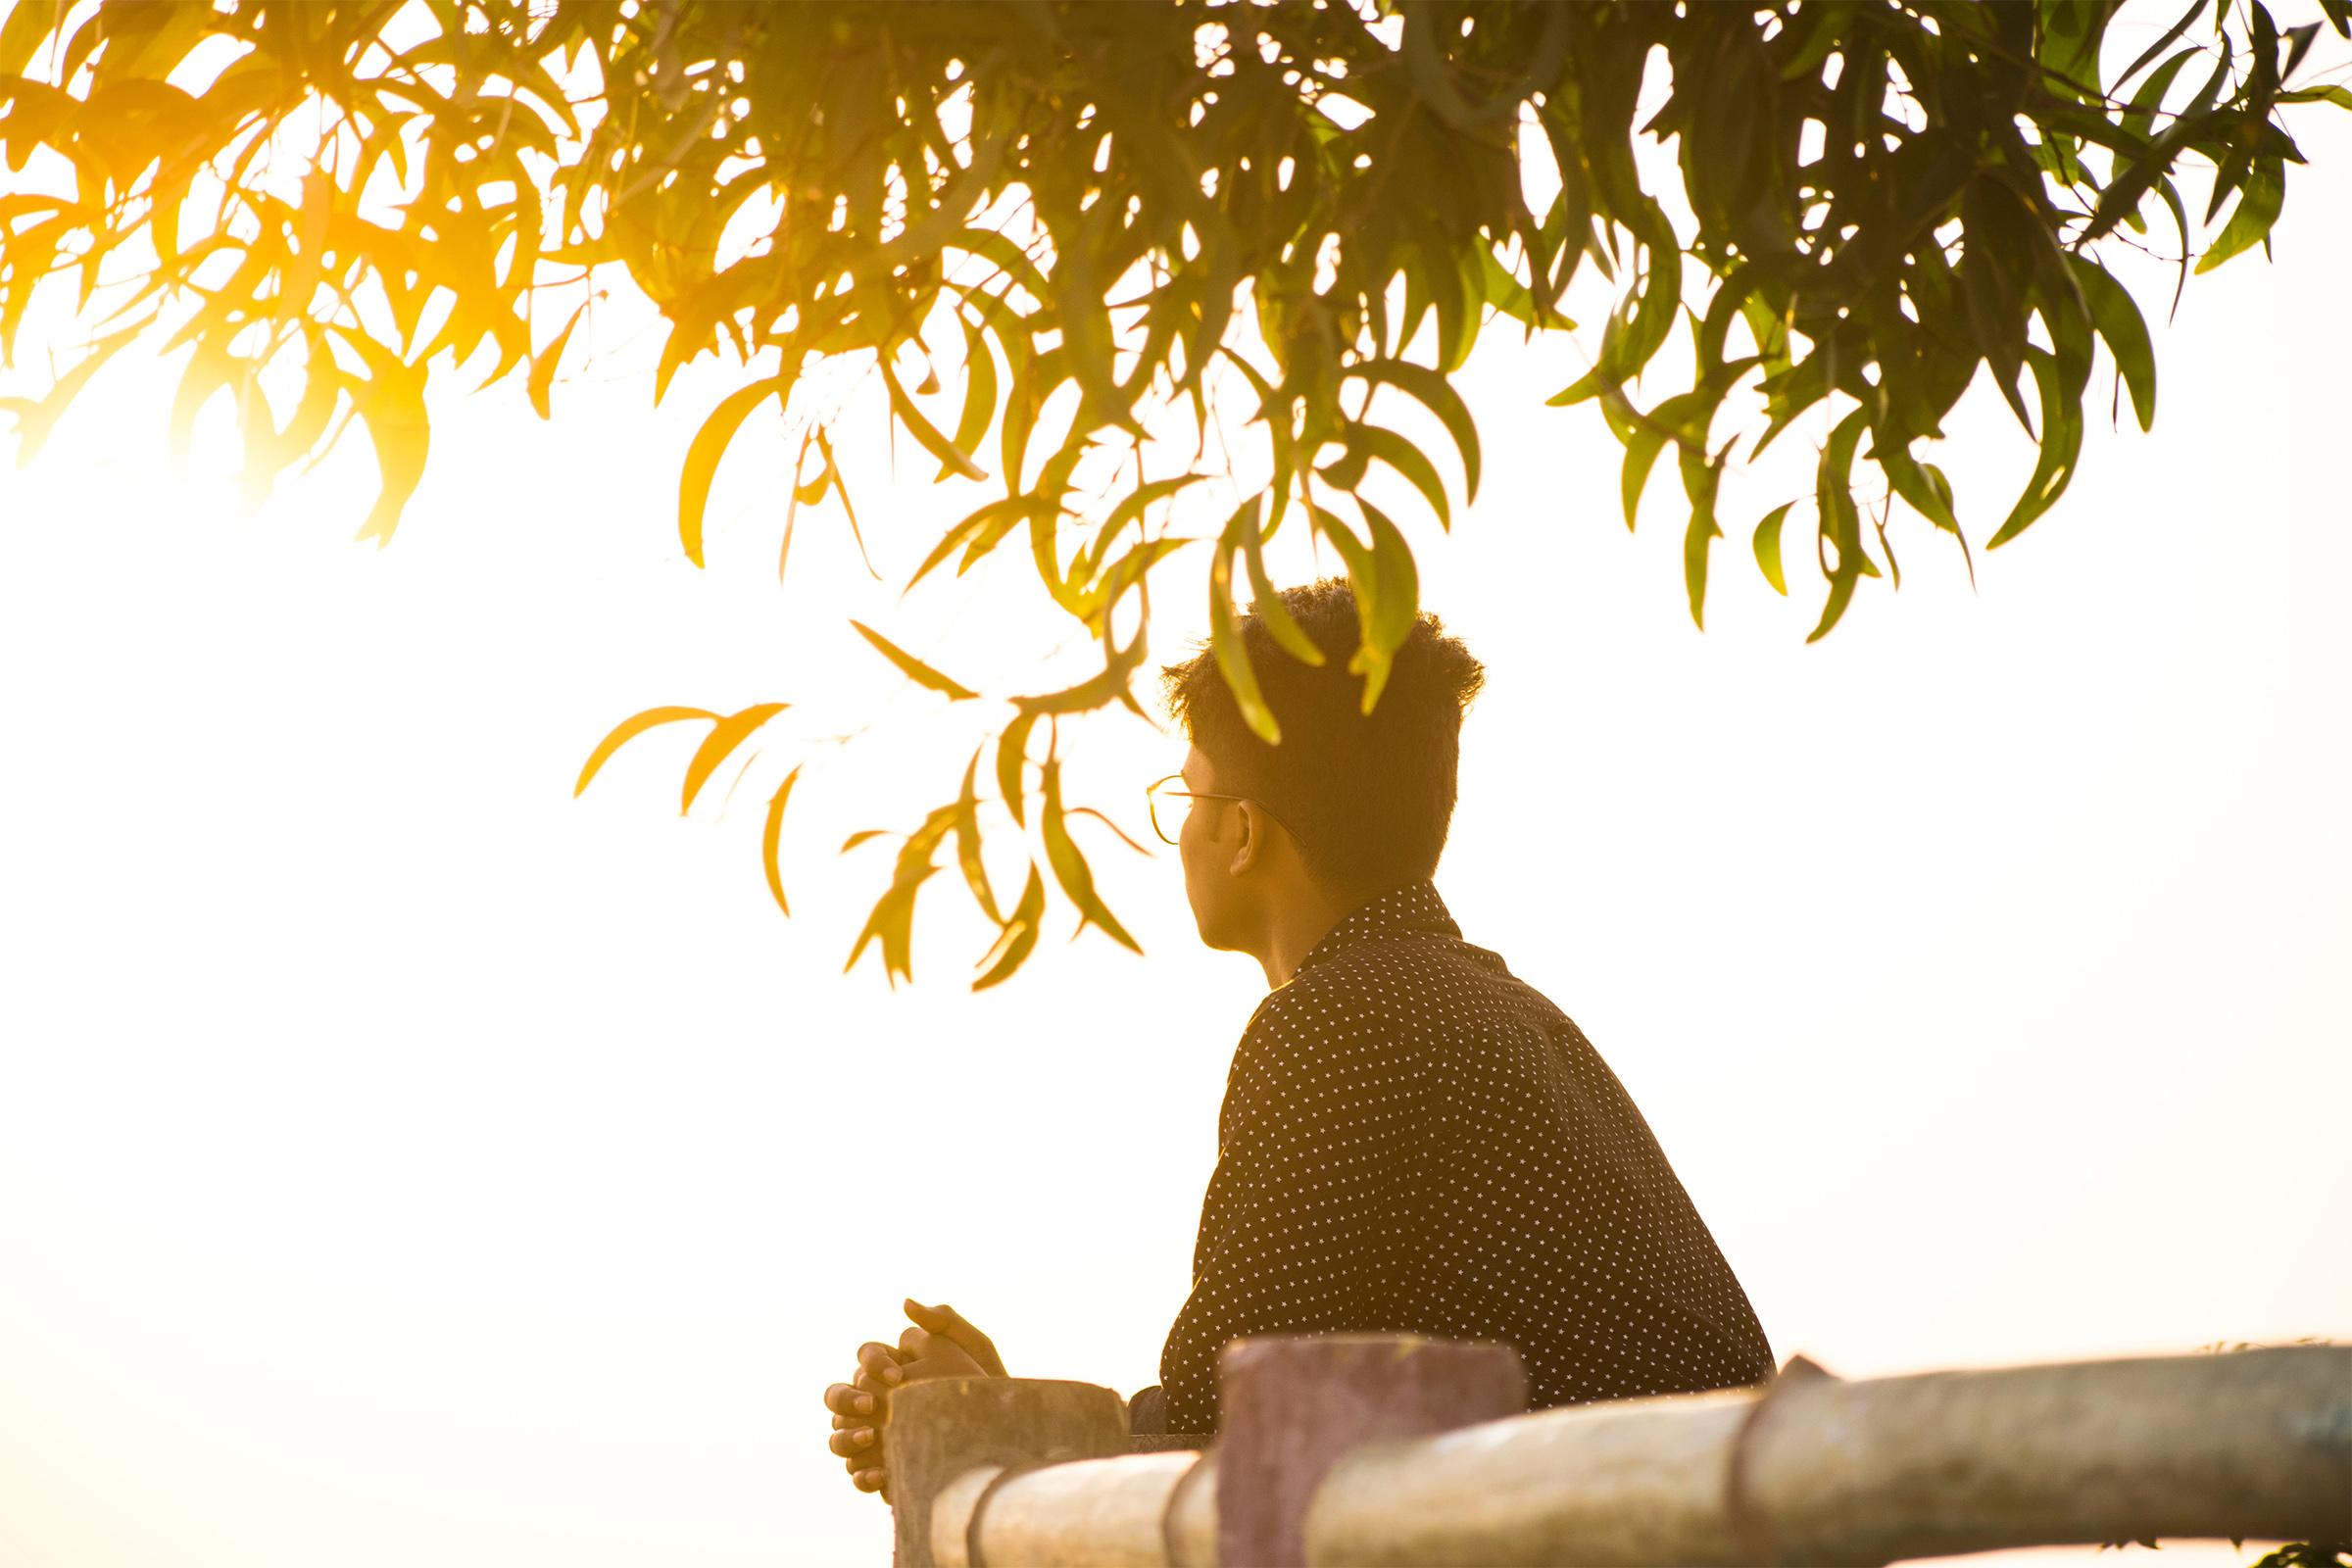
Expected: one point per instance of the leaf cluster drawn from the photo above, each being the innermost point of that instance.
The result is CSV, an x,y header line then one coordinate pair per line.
x,y
1048,228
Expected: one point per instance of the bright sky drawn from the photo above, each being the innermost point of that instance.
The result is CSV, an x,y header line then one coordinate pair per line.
x,y
401,1162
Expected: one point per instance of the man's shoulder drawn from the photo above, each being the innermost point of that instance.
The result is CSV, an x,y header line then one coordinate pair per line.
x,y
1424,979
1409,962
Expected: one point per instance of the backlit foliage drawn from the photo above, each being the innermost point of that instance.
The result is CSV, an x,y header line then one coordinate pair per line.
x,y
1045,228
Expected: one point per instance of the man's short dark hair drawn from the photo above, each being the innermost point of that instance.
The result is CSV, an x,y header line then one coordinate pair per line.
x,y
1368,797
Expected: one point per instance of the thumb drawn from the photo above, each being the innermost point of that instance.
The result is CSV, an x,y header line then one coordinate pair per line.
x,y
947,1322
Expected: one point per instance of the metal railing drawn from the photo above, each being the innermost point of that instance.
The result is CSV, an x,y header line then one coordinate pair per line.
x,y
1365,1450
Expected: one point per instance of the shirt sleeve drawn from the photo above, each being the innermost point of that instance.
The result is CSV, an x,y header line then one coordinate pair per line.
x,y
1296,1226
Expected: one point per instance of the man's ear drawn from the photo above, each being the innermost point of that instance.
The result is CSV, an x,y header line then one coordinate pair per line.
x,y
1252,827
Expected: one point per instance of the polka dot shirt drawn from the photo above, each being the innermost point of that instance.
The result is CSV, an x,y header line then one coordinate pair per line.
x,y
1414,1141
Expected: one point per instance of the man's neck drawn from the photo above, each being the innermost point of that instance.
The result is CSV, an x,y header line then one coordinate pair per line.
x,y
1294,925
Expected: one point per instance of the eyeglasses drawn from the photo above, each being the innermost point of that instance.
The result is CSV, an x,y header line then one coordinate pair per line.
x,y
1160,798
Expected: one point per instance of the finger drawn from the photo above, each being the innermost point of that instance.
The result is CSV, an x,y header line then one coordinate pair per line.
x,y
941,1319
946,1321
842,1399
915,1345
847,1444
870,1480
881,1362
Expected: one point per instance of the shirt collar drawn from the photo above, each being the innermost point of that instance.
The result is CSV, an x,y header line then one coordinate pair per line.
x,y
1411,910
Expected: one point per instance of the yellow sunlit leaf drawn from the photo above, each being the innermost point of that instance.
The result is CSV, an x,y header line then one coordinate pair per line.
x,y
627,730
710,445
967,840
1013,757
391,404
36,417
543,366
772,838
915,669
327,205
1087,810
924,431
725,735
1019,938
1070,869
891,922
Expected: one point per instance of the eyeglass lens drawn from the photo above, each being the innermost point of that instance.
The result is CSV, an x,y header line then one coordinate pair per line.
x,y
1158,803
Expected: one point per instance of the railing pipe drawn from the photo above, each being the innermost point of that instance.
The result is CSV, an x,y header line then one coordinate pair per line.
x,y
1809,1470
1095,1513
1817,1470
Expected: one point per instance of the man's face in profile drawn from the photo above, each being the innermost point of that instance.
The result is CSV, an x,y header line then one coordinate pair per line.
x,y
1207,854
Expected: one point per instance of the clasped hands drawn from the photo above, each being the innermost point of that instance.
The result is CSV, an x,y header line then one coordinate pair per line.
x,y
939,1345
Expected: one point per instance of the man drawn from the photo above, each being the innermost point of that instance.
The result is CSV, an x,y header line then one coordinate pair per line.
x,y
1412,1139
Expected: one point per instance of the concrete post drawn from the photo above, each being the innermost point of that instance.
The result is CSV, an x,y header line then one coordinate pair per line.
x,y
1293,1405
938,1430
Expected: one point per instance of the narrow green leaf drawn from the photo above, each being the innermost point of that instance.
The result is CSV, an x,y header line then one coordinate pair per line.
x,y
2257,210
2188,19
1771,333
1130,509
1353,552
1503,291
2140,116
1917,484
1840,519
1224,630
1436,393
1132,506
1583,388
1389,608
924,430
1768,546
2061,446
1641,448
1457,286
1700,481
979,393
1831,23
1407,459
1007,258
2120,323
1266,601
1603,375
